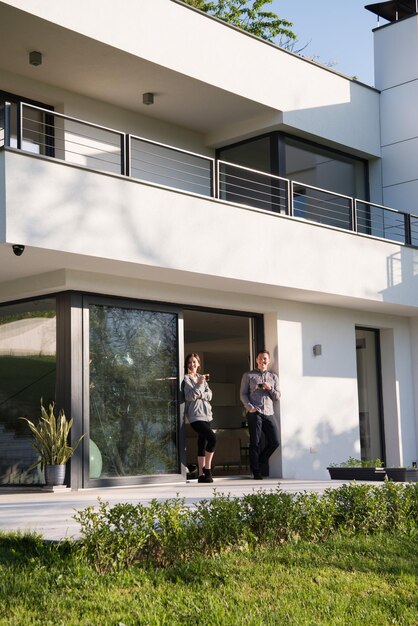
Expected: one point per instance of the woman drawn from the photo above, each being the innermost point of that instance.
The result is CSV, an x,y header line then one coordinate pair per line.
x,y
198,411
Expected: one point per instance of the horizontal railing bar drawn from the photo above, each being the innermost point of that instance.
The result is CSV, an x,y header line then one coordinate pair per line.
x,y
327,191
249,169
270,191
73,119
160,165
166,177
224,177
53,136
257,200
163,145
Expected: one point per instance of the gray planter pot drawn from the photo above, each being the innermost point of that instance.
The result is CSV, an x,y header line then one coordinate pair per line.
x,y
357,473
54,474
402,474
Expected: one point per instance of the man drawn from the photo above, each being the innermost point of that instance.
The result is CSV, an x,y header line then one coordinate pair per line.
x,y
259,389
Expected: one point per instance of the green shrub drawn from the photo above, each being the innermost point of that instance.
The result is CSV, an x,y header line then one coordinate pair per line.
x,y
314,516
173,537
169,533
116,537
270,515
220,523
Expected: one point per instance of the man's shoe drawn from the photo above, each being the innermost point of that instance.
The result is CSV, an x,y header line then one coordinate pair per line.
x,y
201,479
257,476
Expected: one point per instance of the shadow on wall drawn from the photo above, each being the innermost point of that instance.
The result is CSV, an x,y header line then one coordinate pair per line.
x,y
305,460
402,275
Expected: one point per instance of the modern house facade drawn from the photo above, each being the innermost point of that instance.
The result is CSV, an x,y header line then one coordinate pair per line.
x,y
170,184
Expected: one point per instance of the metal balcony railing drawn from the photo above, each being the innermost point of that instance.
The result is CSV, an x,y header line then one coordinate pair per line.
x,y
47,133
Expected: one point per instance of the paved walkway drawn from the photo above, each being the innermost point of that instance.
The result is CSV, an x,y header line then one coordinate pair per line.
x,y
51,514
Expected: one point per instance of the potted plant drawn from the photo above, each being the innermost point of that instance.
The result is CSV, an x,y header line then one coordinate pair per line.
x,y
402,474
51,443
356,469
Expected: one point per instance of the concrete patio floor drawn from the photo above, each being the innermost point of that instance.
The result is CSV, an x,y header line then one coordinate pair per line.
x,y
51,514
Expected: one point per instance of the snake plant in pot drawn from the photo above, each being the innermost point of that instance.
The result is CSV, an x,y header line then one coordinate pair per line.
x,y
51,443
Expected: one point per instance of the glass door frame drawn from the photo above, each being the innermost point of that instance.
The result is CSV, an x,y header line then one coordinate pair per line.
x,y
87,482
379,398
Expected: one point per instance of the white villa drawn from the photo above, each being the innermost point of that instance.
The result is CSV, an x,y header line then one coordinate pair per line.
x,y
171,184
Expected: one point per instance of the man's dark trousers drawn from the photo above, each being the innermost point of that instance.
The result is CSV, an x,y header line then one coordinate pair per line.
x,y
259,424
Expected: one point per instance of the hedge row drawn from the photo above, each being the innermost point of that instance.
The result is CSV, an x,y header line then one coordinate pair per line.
x,y
165,533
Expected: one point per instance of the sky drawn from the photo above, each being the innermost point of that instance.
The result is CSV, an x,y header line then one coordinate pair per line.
x,y
337,33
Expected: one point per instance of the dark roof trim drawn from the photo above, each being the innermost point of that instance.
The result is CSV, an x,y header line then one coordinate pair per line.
x,y
394,10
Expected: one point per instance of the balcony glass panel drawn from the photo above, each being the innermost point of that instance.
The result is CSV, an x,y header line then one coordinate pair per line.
x,y
380,222
414,230
133,390
256,189
321,206
71,140
167,166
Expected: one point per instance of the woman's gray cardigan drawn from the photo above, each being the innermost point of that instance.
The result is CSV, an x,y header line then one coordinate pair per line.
x,y
197,400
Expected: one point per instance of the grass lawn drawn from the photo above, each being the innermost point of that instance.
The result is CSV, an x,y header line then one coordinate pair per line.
x,y
352,581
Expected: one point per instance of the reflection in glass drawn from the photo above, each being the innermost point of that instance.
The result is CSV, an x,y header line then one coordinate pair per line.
x,y
27,373
133,390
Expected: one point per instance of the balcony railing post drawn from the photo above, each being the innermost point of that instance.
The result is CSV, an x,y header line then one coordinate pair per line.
x,y
408,233
122,154
127,150
217,179
290,198
19,126
353,202
7,123
214,178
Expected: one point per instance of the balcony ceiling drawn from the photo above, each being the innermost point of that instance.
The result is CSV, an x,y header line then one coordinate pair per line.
x,y
88,67
38,272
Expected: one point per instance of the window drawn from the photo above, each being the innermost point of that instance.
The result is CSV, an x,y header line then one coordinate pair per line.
x,y
295,159
27,374
320,167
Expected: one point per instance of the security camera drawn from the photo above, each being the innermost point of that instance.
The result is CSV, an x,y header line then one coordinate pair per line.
x,y
18,249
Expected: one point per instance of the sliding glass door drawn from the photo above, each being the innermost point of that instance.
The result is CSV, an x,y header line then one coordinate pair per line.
x,y
133,383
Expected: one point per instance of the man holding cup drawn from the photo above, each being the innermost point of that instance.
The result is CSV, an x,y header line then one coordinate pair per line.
x,y
259,390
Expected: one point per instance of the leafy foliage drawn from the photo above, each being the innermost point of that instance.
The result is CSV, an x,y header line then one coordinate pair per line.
x,y
51,437
251,17
352,462
169,533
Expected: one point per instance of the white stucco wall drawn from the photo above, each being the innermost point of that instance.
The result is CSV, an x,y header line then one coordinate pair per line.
x,y
396,75
319,413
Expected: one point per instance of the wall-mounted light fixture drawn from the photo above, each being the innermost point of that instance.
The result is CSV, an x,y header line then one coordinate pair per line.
x,y
317,349
35,58
148,98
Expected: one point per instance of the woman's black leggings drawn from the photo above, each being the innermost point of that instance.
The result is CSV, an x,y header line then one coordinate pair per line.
x,y
206,438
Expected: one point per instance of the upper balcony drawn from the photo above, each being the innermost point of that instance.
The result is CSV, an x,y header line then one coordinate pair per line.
x,y
68,189
208,77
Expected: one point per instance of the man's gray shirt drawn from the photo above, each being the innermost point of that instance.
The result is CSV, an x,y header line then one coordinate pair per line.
x,y
259,399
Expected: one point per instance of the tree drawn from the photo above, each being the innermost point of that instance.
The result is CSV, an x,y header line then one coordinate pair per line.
x,y
250,16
